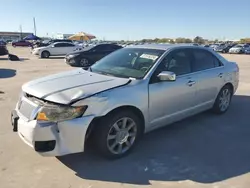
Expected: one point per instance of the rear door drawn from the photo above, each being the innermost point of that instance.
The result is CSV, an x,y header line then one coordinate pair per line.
x,y
68,47
20,43
61,48
210,72
56,49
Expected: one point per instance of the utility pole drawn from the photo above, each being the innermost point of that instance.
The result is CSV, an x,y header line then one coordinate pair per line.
x,y
34,22
21,32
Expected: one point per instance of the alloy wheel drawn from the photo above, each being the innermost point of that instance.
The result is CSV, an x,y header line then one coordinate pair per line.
x,y
84,62
224,100
122,135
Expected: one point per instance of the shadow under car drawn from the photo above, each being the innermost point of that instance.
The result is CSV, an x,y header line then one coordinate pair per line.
x,y
205,148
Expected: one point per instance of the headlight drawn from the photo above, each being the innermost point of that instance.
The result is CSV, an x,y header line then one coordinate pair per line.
x,y
60,113
72,56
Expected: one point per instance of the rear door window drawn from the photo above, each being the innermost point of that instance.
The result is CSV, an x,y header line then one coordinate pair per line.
x,y
68,45
59,45
100,48
204,60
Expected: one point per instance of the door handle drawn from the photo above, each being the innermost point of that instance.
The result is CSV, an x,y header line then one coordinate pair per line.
x,y
220,75
191,82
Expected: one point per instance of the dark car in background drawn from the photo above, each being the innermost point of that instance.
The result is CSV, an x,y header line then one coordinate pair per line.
x,y
247,50
223,49
22,43
89,55
3,50
2,43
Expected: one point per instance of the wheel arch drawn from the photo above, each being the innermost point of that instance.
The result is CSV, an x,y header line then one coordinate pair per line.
x,y
230,85
134,109
46,51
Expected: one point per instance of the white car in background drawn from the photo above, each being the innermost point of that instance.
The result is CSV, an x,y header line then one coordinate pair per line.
x,y
238,49
56,49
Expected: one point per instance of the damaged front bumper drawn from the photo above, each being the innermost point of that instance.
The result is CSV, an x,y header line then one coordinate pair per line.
x,y
52,139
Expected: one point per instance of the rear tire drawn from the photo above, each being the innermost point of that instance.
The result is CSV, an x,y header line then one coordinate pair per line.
x,y
117,134
45,54
223,100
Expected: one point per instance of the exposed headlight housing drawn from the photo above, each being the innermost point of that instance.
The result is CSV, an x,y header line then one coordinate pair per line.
x,y
60,113
72,56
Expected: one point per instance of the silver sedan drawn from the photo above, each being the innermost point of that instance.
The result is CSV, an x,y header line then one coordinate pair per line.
x,y
128,93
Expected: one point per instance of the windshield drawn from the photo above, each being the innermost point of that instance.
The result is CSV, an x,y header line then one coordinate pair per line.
x,y
128,62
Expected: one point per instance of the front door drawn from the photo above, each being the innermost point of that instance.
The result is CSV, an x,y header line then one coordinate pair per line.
x,y
170,101
99,52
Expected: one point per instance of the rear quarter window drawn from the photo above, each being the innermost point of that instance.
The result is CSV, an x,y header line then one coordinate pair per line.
x,y
204,60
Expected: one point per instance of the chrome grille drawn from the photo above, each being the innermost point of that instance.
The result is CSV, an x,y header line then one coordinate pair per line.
x,y
26,108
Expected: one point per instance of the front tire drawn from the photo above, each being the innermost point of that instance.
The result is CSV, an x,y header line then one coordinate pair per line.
x,y
45,54
116,134
223,100
84,62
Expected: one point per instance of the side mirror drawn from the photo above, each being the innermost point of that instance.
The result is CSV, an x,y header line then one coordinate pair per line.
x,y
167,76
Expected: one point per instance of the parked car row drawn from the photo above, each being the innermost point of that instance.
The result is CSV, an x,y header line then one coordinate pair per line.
x,y
240,49
230,48
76,55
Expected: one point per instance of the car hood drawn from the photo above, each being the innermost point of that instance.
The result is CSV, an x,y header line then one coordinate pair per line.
x,y
64,88
80,51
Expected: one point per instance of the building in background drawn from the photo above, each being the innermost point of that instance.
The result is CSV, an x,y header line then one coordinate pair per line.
x,y
13,36
62,36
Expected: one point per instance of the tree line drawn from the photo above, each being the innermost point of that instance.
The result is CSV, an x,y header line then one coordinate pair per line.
x,y
177,40
198,40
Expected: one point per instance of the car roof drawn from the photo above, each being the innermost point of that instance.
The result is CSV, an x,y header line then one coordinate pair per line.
x,y
60,39
62,42
164,47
